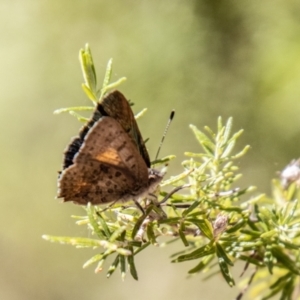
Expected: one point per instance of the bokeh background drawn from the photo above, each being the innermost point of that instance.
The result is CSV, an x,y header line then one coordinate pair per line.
x,y
202,58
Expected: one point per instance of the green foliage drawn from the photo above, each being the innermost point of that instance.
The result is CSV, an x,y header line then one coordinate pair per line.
x,y
90,83
216,222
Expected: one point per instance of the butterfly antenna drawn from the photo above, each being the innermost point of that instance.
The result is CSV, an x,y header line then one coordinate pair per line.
x,y
165,132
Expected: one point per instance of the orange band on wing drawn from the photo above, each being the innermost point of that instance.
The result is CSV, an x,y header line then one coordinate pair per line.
x,y
110,156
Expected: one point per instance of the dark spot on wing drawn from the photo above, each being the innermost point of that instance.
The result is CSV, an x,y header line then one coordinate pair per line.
x,y
121,147
129,158
104,168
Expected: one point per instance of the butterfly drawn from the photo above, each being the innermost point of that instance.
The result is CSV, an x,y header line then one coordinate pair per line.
x,y
108,161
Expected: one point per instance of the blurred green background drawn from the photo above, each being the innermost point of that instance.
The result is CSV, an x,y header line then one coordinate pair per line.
x,y
202,58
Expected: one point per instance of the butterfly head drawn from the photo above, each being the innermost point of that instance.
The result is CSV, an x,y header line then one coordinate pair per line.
x,y
155,177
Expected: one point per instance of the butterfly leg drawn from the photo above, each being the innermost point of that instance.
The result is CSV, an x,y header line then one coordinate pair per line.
x,y
173,192
107,207
139,206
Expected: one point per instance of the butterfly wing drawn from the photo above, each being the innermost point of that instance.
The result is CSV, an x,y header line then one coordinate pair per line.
x,y
108,167
116,106
76,142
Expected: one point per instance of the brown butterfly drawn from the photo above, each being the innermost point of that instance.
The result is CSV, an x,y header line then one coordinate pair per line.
x,y
108,161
